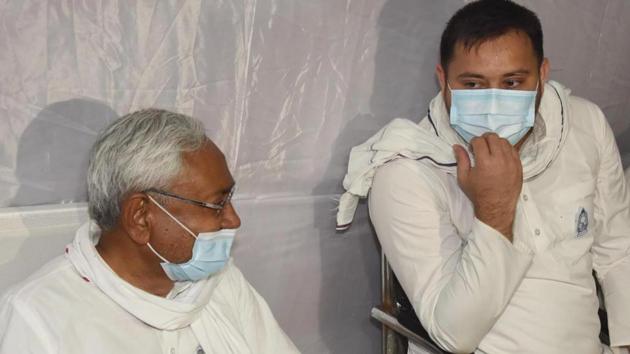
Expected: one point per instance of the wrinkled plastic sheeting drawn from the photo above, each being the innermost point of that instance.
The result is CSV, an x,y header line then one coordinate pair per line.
x,y
285,88
587,43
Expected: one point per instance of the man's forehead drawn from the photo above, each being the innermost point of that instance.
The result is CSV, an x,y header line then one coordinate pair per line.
x,y
509,53
205,170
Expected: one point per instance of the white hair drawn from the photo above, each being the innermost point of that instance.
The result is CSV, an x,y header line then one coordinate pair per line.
x,y
138,151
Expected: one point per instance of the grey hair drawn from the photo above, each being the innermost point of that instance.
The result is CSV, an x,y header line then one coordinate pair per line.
x,y
138,151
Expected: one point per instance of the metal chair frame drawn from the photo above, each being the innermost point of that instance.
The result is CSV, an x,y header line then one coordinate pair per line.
x,y
395,335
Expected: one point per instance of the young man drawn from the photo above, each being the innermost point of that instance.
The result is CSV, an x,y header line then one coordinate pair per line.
x,y
151,271
495,210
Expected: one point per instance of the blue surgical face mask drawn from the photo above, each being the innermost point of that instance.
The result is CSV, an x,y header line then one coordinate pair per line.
x,y
210,253
508,113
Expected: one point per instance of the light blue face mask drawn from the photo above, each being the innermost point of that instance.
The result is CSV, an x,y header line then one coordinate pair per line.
x,y
210,253
508,113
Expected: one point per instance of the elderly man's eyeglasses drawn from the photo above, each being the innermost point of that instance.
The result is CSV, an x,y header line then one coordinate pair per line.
x,y
218,207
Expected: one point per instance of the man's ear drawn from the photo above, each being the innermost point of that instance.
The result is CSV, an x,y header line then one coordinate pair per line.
x,y
544,71
135,217
441,75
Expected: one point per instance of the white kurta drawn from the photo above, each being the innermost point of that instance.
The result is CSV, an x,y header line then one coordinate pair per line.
x,y
472,289
77,304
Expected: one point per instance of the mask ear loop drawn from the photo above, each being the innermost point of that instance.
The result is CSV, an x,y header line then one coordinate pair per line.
x,y
157,254
172,217
175,219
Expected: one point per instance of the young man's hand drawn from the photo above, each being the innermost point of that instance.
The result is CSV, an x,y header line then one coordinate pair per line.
x,y
495,183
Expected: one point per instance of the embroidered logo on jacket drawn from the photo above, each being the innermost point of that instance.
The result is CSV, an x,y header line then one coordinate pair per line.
x,y
582,222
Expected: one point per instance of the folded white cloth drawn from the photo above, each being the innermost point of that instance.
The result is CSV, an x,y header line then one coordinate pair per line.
x,y
401,138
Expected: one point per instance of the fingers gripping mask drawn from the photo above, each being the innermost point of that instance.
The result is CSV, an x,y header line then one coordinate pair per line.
x,y
508,113
210,253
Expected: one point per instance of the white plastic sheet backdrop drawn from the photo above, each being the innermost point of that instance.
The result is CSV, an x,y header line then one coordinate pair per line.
x,y
285,88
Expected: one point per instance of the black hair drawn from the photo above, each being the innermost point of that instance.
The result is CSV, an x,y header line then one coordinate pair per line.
x,y
484,20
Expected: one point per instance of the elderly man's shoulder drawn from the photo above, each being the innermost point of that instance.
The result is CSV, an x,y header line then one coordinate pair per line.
x,y
44,303
56,281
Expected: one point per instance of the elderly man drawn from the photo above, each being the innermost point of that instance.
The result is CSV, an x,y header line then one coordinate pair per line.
x,y
495,210
151,272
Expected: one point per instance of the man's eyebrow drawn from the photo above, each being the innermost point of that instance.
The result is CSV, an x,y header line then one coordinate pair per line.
x,y
517,72
225,190
228,189
217,193
470,75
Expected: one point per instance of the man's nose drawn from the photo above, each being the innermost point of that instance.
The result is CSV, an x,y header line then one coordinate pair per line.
x,y
230,219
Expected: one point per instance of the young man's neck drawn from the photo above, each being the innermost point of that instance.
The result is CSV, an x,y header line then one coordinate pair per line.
x,y
522,141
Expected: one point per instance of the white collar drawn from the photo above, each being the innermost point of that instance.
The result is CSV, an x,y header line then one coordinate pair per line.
x,y
544,143
159,312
